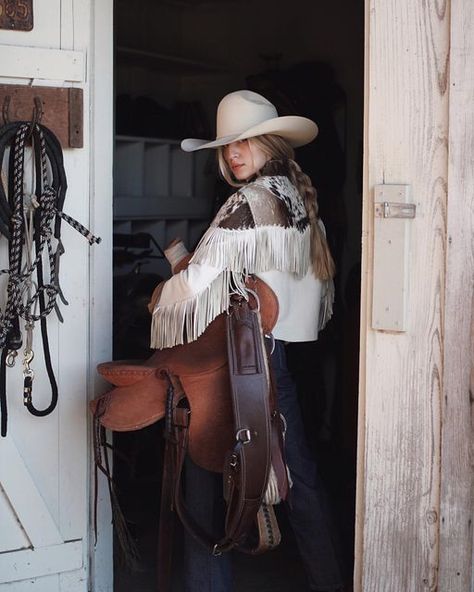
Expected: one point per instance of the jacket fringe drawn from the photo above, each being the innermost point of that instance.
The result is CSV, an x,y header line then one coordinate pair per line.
x,y
256,250
240,252
327,301
183,322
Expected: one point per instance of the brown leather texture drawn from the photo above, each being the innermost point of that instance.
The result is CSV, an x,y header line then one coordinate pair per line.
x,y
139,396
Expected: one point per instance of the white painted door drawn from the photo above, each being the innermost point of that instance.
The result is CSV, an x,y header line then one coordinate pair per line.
x,y
45,543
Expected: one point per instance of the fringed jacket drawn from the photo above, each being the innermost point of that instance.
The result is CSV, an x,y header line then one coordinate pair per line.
x,y
262,229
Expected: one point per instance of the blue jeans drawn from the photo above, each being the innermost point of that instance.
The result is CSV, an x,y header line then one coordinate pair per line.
x,y
308,510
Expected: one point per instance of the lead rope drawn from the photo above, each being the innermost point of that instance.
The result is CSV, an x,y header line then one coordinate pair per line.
x,y
28,353
42,224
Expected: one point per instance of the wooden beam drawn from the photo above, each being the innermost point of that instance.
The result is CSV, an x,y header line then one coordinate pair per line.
x,y
41,63
61,109
457,475
35,563
406,131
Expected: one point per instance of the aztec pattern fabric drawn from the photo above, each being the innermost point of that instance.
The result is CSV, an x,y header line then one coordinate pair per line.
x,y
261,227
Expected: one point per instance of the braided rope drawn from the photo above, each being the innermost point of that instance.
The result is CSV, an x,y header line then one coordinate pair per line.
x,y
14,290
46,208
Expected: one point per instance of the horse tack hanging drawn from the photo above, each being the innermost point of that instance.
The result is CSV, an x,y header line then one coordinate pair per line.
x,y
32,225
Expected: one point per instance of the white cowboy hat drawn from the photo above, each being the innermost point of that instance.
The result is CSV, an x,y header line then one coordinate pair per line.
x,y
245,114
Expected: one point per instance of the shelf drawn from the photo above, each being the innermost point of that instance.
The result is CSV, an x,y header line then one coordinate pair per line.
x,y
162,61
160,208
162,190
146,139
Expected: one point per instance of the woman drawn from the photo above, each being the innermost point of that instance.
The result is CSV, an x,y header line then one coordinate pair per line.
x,y
269,227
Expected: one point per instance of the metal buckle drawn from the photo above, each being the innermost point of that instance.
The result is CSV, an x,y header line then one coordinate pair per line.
x,y
243,435
255,295
272,341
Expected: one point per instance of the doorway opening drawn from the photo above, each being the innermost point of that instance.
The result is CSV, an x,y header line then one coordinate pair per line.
x,y
175,59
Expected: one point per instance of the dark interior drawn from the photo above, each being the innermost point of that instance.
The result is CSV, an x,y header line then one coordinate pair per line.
x,y
174,60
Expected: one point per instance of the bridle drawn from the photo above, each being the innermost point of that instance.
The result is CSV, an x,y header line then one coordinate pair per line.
x,y
32,226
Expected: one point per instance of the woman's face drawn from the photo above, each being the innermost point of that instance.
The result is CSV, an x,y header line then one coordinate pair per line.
x,y
244,159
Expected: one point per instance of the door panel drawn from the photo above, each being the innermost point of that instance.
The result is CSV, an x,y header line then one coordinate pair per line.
x,y
44,461
407,59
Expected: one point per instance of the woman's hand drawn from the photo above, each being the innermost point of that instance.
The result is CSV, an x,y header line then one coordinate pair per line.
x,y
178,257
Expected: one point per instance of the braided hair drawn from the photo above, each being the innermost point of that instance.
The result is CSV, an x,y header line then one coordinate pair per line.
x,y
281,162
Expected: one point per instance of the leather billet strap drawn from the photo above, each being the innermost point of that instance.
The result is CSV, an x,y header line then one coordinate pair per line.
x,y
248,463
246,472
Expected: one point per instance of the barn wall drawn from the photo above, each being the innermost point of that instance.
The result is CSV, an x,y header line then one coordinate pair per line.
x,y
415,477
457,500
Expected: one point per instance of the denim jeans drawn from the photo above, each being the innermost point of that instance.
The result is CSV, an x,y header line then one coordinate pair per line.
x,y
308,510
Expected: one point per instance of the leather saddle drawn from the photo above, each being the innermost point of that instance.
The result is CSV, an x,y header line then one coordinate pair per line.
x,y
140,394
217,397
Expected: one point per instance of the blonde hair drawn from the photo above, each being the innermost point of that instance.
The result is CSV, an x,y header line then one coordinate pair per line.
x,y
281,161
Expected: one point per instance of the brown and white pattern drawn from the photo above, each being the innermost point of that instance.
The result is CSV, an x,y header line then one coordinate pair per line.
x,y
262,226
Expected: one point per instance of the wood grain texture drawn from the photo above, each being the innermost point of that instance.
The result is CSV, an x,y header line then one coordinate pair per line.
x,y
457,500
400,439
40,63
62,109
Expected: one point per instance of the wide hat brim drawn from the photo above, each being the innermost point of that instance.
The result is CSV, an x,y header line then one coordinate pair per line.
x,y
297,130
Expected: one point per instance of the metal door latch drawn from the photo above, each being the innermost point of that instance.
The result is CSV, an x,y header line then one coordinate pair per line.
x,y
393,209
386,209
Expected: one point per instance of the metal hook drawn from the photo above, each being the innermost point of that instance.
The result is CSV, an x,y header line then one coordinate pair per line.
x,y
38,110
12,354
28,357
6,109
37,115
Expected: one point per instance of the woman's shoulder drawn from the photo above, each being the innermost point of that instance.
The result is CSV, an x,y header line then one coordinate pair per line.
x,y
275,196
247,204
273,186
268,200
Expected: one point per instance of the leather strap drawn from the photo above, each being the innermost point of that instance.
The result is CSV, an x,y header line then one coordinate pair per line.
x,y
248,463
246,472
175,418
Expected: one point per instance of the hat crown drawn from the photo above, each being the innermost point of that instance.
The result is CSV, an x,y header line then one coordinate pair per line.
x,y
241,110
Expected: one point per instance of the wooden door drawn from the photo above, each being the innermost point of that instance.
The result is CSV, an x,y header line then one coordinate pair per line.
x,y
415,476
45,544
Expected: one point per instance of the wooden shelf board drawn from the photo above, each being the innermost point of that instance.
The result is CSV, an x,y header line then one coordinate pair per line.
x,y
162,61
147,140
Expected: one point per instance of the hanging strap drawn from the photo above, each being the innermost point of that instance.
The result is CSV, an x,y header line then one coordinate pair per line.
x,y
176,428
247,465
